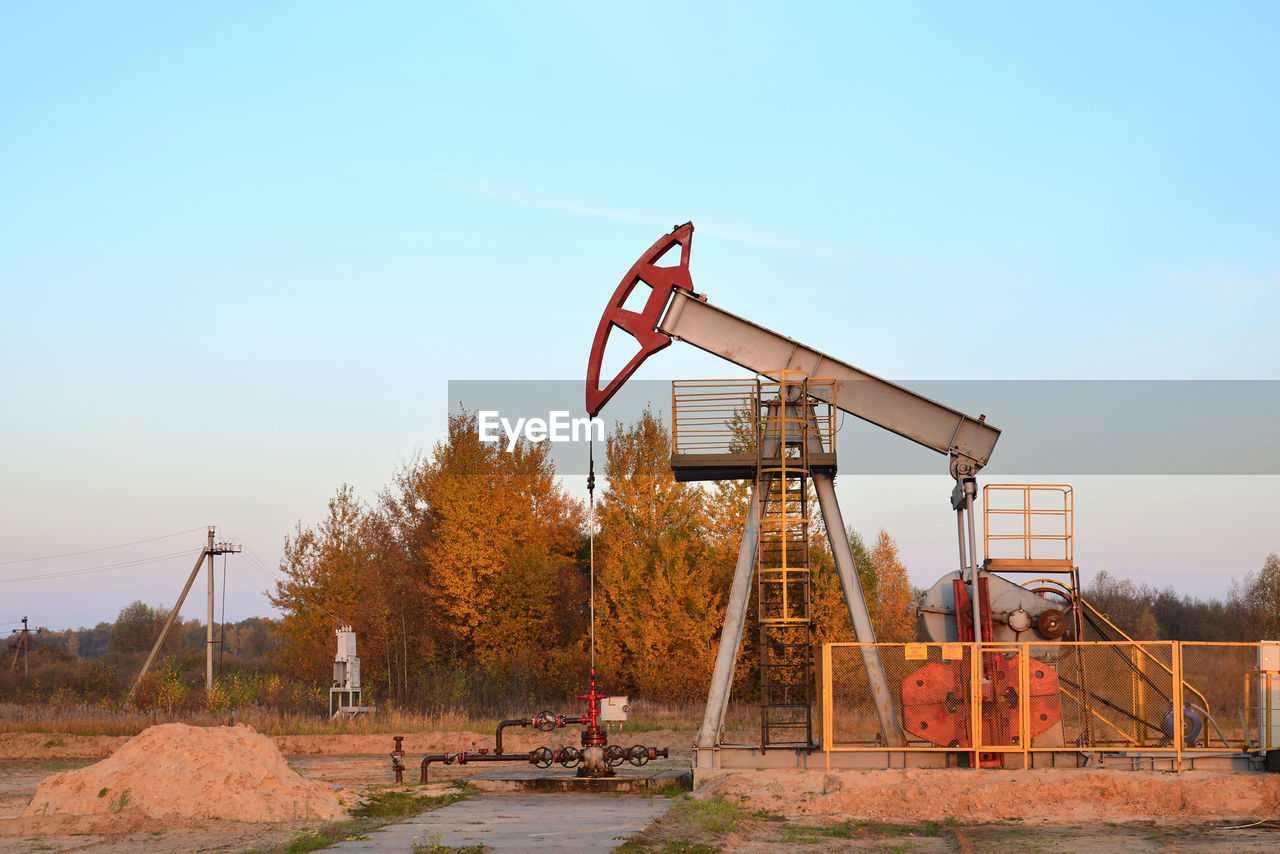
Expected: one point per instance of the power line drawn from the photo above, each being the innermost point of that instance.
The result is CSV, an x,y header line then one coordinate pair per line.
x,y
95,569
99,549
277,576
261,566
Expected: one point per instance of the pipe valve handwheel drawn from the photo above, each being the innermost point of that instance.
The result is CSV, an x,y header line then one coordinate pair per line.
x,y
614,755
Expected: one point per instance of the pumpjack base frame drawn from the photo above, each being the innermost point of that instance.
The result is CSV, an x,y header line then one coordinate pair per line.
x,y
709,763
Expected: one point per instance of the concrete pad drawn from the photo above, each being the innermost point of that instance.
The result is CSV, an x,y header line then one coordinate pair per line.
x,y
625,780
567,824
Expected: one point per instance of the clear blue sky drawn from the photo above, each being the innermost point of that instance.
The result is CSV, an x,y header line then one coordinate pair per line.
x,y
243,247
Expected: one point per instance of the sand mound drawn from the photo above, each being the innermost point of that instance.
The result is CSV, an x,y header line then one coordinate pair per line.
x,y
176,771
1051,796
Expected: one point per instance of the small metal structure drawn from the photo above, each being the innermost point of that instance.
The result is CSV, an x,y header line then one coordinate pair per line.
x,y
1267,689
614,709
344,694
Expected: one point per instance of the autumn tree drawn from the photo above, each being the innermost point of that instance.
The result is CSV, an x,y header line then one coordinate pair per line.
x,y
892,618
503,541
468,563
1254,604
727,503
137,627
1265,593
1145,613
885,589
408,626
1124,604
660,601
831,622
327,571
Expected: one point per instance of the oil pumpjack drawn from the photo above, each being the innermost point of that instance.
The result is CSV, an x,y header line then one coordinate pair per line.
x,y
801,379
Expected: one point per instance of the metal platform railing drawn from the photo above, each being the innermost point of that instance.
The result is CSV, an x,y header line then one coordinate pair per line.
x,y
1028,522
716,416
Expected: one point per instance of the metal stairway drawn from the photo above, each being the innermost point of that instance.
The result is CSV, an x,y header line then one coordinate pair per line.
x,y
782,565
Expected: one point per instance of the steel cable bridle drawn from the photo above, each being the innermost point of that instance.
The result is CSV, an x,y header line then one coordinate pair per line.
x,y
591,541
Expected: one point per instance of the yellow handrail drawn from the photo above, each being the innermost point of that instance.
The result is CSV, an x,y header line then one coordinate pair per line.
x,y
1031,535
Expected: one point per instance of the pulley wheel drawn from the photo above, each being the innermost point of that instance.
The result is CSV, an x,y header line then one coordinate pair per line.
x,y
1019,620
1052,624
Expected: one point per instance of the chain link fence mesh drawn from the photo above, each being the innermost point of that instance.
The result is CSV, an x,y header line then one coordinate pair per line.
x,y
1061,696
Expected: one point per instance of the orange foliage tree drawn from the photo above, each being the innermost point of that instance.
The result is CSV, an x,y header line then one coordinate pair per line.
x,y
469,563
660,600
893,617
885,588
325,571
467,577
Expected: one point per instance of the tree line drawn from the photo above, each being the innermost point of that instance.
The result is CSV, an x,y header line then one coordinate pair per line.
x,y
467,580
99,665
469,577
1250,612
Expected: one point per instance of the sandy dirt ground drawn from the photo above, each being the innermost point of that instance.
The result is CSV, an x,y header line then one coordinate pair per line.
x,y
915,810
1056,796
348,764
938,810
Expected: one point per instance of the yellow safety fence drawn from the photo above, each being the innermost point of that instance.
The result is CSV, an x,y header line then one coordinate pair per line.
x,y
1016,699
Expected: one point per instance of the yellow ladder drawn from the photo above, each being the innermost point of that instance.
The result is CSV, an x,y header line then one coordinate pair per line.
x,y
782,562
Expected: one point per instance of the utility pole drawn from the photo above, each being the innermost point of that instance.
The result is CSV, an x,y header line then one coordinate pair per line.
x,y
22,646
213,549
208,645
208,551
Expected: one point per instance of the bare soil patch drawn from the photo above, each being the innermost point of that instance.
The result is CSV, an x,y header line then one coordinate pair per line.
x,y
1048,796
918,811
44,745
345,766
964,811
